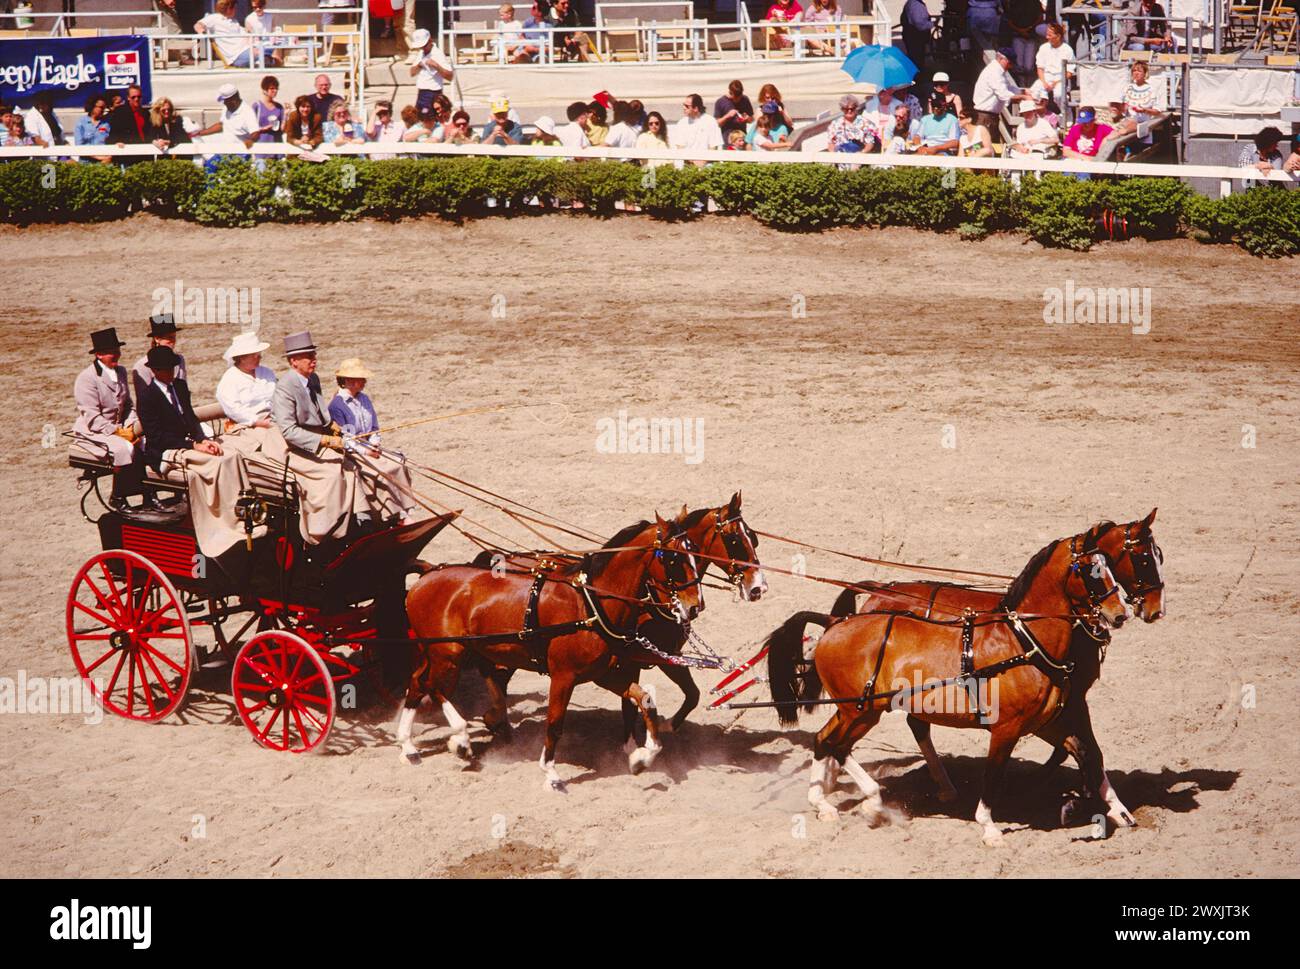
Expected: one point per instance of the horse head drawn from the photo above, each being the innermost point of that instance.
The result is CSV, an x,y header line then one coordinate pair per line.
x,y
725,539
672,576
1139,567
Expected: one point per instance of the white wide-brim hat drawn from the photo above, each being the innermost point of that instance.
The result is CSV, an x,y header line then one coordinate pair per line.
x,y
545,124
419,38
243,345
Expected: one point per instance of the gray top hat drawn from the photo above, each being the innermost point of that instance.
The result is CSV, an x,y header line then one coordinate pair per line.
x,y
298,343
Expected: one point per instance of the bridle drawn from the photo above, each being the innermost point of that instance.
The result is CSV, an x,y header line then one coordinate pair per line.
x,y
674,562
733,542
1146,562
1082,563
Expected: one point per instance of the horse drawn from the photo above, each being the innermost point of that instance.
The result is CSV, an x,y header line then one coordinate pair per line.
x,y
1020,651
1136,559
572,624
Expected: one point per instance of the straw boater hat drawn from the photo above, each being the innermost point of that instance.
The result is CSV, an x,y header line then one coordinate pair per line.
x,y
243,345
352,367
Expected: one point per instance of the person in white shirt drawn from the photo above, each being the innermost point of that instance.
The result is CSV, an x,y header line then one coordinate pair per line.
x,y
259,21
429,67
994,88
246,388
231,40
510,35
696,131
1053,63
628,117
1035,134
574,134
238,122
384,127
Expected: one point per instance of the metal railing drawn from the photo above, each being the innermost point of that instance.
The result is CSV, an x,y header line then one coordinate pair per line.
x,y
1224,174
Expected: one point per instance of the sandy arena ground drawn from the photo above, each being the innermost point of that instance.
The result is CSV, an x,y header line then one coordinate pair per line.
x,y
831,423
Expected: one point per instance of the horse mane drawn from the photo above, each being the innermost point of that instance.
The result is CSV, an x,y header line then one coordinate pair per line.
x,y
693,518
1093,535
595,562
1020,584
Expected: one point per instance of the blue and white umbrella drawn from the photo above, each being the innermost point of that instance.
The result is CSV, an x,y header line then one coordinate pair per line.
x,y
881,66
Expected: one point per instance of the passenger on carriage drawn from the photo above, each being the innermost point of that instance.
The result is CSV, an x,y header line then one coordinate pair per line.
x,y
162,333
329,495
177,447
246,388
384,475
105,425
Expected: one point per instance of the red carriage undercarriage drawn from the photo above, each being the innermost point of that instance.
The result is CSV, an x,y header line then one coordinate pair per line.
x,y
274,605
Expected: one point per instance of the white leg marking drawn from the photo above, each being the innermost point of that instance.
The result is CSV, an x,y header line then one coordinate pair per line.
x,y
552,782
821,781
992,833
409,754
458,743
1115,808
874,806
642,757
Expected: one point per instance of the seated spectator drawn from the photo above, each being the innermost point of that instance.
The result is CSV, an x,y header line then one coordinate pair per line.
x,y
421,126
655,135
878,111
782,11
695,131
780,128
822,12
230,39
769,100
42,122
1292,163
1052,62
322,101
905,135
1263,155
238,122
461,132
545,133
941,84
303,127
574,134
341,129
269,111
166,127
736,140
176,18
384,128
1038,95
261,23
510,35
501,130
597,123
1034,135
92,128
128,124
535,32
940,131
1152,34
573,44
1084,138
17,136
851,131
629,116
1141,101
733,111
763,137
976,142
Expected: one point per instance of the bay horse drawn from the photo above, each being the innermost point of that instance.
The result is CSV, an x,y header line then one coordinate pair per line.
x,y
573,624
1136,560
1020,651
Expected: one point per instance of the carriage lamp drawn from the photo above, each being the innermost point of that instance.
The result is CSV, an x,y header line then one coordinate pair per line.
x,y
251,510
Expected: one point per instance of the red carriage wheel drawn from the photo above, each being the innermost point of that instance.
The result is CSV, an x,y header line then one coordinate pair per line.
x,y
283,692
129,635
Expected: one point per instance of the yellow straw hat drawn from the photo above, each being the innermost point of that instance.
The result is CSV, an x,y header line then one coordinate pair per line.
x,y
352,367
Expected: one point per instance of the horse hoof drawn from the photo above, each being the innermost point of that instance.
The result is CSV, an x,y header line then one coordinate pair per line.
x,y
1124,820
827,813
412,758
555,785
461,748
640,759
994,839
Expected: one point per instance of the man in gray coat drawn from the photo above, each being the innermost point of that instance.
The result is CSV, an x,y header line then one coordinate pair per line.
x,y
328,493
105,426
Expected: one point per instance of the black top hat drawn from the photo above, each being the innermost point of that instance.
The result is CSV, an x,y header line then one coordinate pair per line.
x,y
162,358
162,325
105,341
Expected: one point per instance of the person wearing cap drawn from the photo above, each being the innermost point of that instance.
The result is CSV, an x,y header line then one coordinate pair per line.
x,y
1035,134
1084,138
918,27
501,130
385,479
430,68
994,89
162,333
232,41
246,388
238,121
941,84
105,424
177,447
940,131
328,494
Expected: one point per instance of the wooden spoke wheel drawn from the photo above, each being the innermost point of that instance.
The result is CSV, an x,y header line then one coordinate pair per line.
x,y
283,692
130,636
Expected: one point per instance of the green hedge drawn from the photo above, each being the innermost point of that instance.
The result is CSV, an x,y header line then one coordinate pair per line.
x,y
1056,210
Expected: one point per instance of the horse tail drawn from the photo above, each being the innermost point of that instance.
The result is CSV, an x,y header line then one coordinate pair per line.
x,y
784,657
846,603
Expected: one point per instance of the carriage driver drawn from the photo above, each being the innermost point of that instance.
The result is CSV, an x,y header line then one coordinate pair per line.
x,y
162,333
385,477
105,426
329,495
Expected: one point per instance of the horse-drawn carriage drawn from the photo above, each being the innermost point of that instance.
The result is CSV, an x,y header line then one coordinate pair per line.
x,y
290,619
